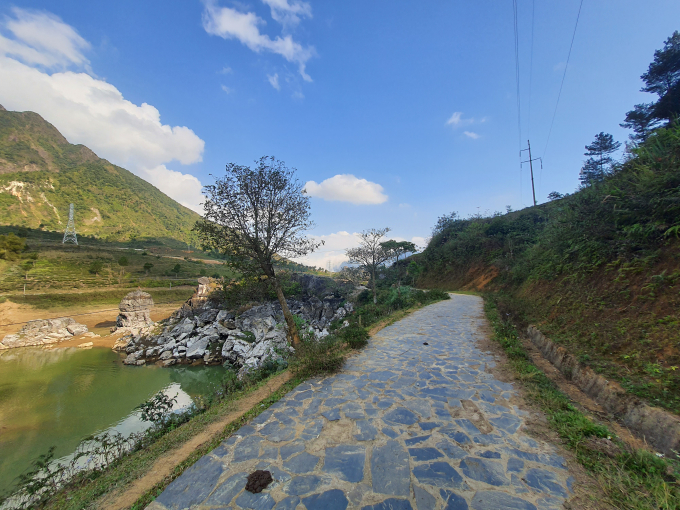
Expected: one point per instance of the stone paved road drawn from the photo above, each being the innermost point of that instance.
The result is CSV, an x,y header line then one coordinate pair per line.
x,y
404,426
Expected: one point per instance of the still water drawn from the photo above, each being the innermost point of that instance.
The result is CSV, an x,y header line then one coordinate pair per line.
x,y
58,397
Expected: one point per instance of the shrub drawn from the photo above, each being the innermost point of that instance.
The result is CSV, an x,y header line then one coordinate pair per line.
x,y
355,336
315,357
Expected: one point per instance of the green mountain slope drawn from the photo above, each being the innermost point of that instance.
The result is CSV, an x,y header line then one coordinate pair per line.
x,y
41,173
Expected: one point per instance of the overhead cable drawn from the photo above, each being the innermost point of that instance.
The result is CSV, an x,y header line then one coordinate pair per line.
x,y
563,77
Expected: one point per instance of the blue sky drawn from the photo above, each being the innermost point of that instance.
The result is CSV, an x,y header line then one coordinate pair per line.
x,y
409,108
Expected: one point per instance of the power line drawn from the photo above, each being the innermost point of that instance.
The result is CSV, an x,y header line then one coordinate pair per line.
x,y
563,77
531,66
519,104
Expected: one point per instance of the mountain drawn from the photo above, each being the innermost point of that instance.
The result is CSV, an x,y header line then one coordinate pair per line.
x,y
41,173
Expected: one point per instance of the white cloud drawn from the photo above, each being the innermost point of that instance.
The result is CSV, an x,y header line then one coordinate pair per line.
x,y
404,206
184,188
226,70
229,23
227,89
274,81
471,134
347,188
289,14
41,38
87,110
457,120
333,249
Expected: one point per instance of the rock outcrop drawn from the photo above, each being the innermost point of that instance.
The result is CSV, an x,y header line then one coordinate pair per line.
x,y
135,311
199,300
244,341
44,332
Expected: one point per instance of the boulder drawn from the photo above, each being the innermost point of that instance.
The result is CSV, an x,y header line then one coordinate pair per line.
x,y
135,311
43,332
197,348
76,329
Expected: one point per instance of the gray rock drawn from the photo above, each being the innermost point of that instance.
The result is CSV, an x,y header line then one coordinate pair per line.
x,y
483,470
301,463
301,485
135,309
346,461
543,480
424,500
193,486
390,504
452,501
390,469
197,348
493,500
333,499
250,501
227,490
438,474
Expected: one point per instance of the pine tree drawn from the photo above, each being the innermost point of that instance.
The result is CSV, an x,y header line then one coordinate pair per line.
x,y
663,79
599,163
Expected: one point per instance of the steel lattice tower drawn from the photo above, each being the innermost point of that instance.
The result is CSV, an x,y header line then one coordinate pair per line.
x,y
70,233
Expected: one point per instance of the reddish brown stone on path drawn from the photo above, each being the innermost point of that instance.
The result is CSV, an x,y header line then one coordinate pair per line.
x,y
258,480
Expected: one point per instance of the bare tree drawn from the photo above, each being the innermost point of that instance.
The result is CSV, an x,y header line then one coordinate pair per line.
x,y
251,215
370,254
354,275
396,249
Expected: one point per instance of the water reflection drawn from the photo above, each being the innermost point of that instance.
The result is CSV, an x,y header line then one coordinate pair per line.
x,y
57,397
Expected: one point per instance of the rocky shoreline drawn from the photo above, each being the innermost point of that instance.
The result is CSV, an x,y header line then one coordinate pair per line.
x,y
44,332
210,335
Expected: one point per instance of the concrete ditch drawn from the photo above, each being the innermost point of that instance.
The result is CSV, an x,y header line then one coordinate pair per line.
x,y
657,427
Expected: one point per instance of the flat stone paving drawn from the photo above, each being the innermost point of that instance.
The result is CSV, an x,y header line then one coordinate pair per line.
x,y
404,426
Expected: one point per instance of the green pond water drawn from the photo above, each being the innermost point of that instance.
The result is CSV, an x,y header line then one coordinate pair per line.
x,y
59,396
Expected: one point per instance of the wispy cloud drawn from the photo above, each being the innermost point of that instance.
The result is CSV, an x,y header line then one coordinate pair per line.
x,y
289,13
274,81
226,70
347,188
43,39
227,89
471,134
457,120
229,23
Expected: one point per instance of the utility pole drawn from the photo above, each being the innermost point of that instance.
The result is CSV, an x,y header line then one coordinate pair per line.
x,y
531,167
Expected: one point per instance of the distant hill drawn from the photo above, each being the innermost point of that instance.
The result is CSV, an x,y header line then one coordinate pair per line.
x,y
41,173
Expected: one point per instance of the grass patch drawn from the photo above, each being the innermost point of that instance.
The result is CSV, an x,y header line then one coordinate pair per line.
x,y
630,479
98,298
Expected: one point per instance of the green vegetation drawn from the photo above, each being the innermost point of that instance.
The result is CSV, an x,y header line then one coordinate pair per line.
x,y
11,246
177,294
631,479
95,264
41,174
596,270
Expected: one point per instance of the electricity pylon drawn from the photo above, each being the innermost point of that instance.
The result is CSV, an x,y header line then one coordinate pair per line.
x,y
70,233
